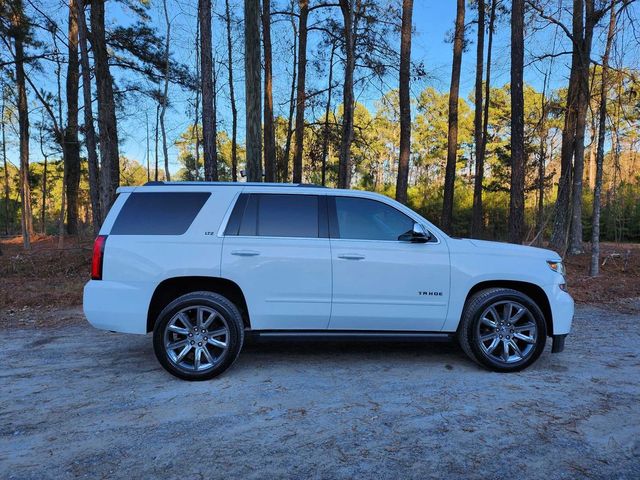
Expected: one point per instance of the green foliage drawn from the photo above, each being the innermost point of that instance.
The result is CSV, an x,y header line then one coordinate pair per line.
x,y
193,168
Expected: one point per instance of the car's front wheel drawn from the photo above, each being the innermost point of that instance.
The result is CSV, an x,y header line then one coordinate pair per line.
x,y
198,336
502,329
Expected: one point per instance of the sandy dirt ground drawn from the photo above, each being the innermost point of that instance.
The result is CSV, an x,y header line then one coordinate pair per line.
x,y
76,402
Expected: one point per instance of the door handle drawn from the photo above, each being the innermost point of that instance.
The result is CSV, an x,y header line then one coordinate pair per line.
x,y
351,256
245,253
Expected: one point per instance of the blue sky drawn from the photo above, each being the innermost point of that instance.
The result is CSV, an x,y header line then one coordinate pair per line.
x,y
433,22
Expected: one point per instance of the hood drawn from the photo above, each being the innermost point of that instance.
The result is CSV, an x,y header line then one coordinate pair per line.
x,y
502,248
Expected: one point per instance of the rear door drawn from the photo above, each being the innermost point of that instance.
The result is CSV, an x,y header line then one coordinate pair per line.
x,y
379,281
276,248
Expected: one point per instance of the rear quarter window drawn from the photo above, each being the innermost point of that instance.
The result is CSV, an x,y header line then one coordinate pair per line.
x,y
158,213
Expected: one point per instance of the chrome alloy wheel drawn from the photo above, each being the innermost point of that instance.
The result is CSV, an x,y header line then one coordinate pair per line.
x,y
507,332
196,338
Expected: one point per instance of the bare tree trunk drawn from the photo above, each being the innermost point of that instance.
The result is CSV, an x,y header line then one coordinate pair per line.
x,y
452,139
292,104
325,139
43,213
6,169
157,136
516,204
195,133
148,154
110,166
165,93
561,213
206,66
476,217
232,98
252,84
214,125
595,219
542,154
344,166
269,130
477,192
575,235
63,196
89,130
405,102
593,134
300,94
71,142
19,24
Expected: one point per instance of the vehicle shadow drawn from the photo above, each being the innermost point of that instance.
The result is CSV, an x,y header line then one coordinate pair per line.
x,y
278,351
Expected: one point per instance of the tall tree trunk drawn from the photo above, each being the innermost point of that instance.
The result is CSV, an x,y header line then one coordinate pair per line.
x,y
344,166
157,136
516,204
300,94
252,84
215,113
148,154
19,24
284,175
89,130
269,130
478,212
110,166
165,93
595,218
405,102
561,211
206,72
575,236
71,142
327,110
7,192
43,212
232,99
476,217
542,154
63,201
195,132
593,134
452,138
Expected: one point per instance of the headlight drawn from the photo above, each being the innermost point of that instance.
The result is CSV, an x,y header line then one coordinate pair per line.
x,y
556,266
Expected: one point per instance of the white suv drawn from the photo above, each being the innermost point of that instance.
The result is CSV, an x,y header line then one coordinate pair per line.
x,y
202,265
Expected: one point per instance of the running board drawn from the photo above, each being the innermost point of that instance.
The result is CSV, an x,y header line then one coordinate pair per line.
x,y
348,336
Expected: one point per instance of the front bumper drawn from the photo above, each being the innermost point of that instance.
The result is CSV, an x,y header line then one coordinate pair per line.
x,y
562,309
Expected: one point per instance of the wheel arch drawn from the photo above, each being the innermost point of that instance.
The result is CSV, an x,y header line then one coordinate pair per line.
x,y
532,290
171,288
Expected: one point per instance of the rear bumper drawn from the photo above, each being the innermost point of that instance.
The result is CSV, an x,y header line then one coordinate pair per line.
x,y
117,306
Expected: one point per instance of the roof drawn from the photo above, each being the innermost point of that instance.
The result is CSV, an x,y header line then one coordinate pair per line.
x,y
230,184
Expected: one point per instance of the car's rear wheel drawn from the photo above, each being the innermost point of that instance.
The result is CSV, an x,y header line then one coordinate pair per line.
x,y
198,336
502,329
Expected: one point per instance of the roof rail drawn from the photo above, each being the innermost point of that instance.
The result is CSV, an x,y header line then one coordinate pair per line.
x,y
230,184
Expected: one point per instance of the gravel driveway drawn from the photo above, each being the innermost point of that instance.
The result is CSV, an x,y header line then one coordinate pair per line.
x,y
78,402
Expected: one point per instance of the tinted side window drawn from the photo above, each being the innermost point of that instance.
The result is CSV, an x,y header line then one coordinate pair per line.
x,y
158,213
365,219
287,215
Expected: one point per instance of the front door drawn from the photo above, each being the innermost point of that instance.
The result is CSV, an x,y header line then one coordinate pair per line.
x,y
380,282
276,248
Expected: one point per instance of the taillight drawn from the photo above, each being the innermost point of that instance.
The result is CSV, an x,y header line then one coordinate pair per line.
x,y
98,257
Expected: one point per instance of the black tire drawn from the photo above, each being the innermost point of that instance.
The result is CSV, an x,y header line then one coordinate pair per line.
x,y
469,329
224,312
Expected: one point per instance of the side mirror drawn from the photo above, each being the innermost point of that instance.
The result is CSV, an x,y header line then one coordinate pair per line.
x,y
417,235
